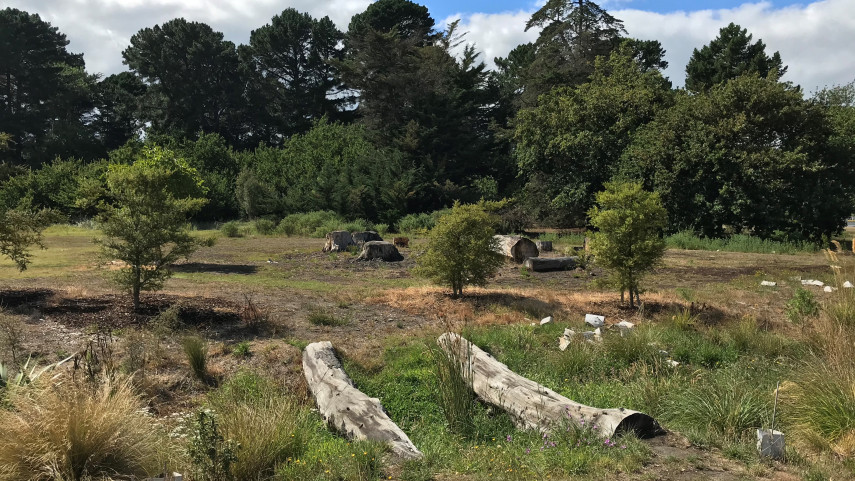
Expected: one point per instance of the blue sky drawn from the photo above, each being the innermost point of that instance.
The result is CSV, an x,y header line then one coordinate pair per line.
x,y
444,8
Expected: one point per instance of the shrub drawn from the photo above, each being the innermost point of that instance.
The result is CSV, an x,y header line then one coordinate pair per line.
x,y
382,229
241,349
416,223
71,431
210,453
265,226
231,229
460,249
197,355
628,241
803,305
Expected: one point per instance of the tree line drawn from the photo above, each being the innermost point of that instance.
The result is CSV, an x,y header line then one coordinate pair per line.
x,y
396,116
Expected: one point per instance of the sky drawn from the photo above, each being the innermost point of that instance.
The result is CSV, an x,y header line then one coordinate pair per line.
x,y
815,39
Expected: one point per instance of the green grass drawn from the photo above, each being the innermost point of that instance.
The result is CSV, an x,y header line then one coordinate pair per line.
x,y
196,350
320,318
739,243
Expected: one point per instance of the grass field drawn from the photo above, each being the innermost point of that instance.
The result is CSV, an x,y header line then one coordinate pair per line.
x,y
255,301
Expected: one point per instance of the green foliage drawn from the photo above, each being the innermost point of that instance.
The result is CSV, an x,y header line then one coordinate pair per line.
x,y
265,226
460,249
802,306
196,350
321,318
416,223
231,229
211,455
628,239
19,230
145,224
319,223
255,198
242,349
729,56
453,373
738,243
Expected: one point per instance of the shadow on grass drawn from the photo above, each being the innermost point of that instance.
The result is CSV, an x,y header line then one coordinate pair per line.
x,y
192,267
18,298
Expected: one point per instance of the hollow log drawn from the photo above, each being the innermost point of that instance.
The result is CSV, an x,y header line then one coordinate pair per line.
x,y
360,238
534,406
338,241
385,251
544,264
347,409
516,247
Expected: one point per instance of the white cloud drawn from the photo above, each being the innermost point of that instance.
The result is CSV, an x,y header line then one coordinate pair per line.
x,y
814,39
101,29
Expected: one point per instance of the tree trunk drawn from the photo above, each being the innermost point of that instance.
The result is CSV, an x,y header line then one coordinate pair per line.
x,y
534,406
516,247
338,241
544,264
385,251
136,288
347,409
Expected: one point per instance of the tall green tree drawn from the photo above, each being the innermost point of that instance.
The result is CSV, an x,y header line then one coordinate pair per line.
x,y
571,143
119,102
627,240
145,223
750,155
728,56
44,92
293,60
409,20
194,77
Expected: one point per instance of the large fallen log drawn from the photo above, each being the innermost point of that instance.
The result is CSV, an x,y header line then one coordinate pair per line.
x,y
385,251
516,247
347,409
338,241
544,264
360,238
534,406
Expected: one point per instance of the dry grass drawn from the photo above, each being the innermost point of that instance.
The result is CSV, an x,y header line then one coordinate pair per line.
x,y
74,431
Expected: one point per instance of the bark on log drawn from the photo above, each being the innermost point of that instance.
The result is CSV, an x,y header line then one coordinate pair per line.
x,y
385,251
534,406
544,264
516,247
544,246
361,238
347,409
338,241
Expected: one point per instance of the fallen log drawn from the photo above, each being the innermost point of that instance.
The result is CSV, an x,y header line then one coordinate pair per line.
x,y
347,409
360,238
544,264
516,247
338,241
385,251
534,406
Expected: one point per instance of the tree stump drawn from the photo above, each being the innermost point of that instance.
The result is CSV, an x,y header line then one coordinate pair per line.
x,y
516,247
360,238
545,264
534,406
544,246
385,251
347,409
338,241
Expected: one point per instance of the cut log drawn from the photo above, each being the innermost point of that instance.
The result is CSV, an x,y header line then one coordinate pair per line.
x,y
338,241
360,238
534,406
516,247
544,246
544,264
385,251
347,409
401,241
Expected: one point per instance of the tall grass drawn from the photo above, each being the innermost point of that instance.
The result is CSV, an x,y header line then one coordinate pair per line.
x,y
72,431
738,243
196,351
453,369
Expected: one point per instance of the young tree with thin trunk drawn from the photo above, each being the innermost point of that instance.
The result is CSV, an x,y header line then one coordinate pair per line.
x,y
628,241
146,223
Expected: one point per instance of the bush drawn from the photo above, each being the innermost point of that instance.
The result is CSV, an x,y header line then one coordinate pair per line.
x,y
803,305
231,229
265,226
211,454
241,349
382,229
197,355
416,223
461,249
71,431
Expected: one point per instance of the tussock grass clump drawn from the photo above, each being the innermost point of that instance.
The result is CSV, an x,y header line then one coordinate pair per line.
x,y
453,370
321,318
231,229
74,431
265,226
197,355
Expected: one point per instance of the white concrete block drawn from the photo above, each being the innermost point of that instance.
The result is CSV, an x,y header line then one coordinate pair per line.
x,y
546,320
848,285
768,283
563,342
770,444
812,282
594,320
